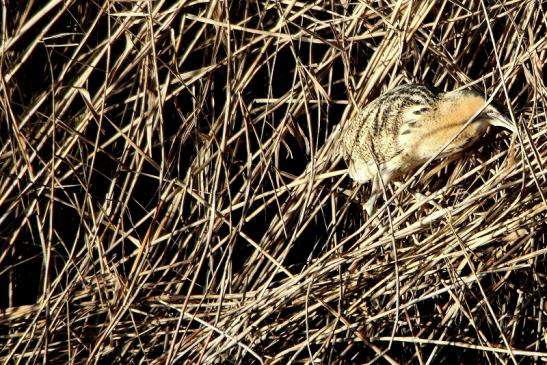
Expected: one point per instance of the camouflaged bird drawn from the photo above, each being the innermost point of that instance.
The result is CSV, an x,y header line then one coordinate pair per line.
x,y
402,129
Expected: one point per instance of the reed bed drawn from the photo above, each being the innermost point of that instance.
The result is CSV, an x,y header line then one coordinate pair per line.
x,y
171,190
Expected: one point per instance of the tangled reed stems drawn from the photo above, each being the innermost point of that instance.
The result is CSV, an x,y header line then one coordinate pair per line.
x,y
171,191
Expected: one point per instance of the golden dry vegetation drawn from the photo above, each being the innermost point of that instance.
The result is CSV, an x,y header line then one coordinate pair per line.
x,y
171,191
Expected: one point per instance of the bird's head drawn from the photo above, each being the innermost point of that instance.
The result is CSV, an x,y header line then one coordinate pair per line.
x,y
464,105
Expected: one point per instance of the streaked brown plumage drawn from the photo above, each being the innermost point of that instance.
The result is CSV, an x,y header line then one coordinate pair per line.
x,y
400,130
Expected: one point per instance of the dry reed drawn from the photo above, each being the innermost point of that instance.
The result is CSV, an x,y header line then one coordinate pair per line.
x,y
170,190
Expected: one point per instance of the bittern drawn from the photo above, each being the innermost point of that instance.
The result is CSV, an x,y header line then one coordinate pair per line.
x,y
402,129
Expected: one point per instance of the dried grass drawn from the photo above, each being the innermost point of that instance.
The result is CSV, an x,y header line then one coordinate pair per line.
x,y
170,190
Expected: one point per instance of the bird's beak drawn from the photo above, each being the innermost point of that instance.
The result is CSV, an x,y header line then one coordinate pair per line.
x,y
498,120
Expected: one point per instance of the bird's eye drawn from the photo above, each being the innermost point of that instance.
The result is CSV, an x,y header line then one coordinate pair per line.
x,y
484,115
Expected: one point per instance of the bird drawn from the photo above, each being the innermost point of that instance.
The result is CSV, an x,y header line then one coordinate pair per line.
x,y
399,131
